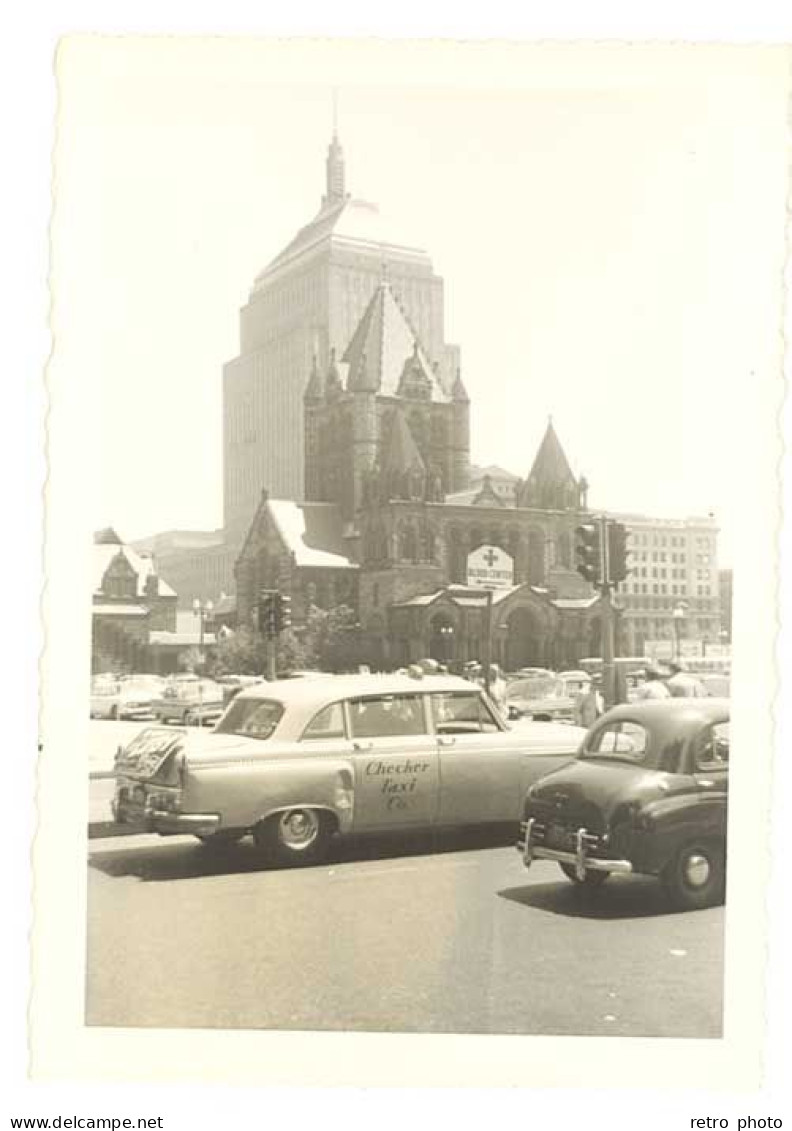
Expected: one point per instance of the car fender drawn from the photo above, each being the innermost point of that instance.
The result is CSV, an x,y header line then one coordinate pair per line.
x,y
674,821
247,792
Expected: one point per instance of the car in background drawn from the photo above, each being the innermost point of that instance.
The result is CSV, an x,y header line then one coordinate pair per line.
x,y
576,683
297,762
190,702
543,698
716,684
647,793
124,697
233,684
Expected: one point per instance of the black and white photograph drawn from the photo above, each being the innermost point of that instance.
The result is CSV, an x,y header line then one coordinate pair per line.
x,y
413,492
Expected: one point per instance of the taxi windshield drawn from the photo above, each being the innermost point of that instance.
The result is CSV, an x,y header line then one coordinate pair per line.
x,y
251,718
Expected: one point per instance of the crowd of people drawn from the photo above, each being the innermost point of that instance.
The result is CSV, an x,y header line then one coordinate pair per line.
x,y
667,682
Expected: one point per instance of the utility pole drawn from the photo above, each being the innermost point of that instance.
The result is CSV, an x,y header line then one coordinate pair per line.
x,y
488,641
608,635
601,550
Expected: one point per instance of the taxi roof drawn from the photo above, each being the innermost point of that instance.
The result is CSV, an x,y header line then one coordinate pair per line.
x,y
303,692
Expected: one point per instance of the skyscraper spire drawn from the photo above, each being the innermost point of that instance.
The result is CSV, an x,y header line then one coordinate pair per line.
x,y
336,190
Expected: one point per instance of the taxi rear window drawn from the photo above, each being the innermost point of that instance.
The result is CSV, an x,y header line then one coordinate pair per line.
x,y
251,718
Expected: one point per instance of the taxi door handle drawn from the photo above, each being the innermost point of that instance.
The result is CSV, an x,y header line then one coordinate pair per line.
x,y
362,745
706,782
446,739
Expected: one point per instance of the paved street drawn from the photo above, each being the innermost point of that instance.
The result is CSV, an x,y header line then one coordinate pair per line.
x,y
443,934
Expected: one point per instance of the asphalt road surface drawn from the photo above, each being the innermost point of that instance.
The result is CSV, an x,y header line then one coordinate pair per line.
x,y
422,933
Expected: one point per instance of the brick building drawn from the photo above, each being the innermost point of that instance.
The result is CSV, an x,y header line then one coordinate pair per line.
x,y
390,524
130,600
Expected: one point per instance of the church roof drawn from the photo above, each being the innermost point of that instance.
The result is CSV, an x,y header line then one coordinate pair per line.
x,y
386,340
355,223
402,453
551,464
312,532
140,564
107,537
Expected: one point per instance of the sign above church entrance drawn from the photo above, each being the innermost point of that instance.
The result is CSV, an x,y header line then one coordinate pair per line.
x,y
489,567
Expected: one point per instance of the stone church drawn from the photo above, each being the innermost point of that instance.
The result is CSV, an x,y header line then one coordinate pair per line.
x,y
391,527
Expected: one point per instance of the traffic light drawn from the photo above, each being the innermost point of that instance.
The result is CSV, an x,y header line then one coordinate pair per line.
x,y
282,616
266,612
588,552
617,552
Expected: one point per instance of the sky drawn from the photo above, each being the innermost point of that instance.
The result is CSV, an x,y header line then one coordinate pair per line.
x,y
609,227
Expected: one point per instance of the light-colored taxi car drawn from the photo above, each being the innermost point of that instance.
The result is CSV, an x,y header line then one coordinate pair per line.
x,y
130,697
296,762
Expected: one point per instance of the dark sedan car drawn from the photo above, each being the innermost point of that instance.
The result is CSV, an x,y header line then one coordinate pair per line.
x,y
647,793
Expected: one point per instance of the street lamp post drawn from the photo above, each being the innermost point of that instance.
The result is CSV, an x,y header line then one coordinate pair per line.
x,y
678,614
203,610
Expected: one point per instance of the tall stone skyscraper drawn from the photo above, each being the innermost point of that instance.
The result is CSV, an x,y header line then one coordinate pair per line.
x,y
307,302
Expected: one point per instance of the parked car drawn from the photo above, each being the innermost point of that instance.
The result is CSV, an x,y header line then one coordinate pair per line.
x,y
232,685
296,762
190,702
575,683
647,793
129,697
539,697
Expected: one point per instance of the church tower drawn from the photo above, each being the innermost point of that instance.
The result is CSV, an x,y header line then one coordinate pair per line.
x,y
309,300
550,484
384,391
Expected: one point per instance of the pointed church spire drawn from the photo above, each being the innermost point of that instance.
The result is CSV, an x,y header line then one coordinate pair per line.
x,y
402,453
314,389
458,391
333,383
550,483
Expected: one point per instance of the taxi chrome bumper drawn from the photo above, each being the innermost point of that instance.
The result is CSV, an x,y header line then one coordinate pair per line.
x,y
171,824
580,859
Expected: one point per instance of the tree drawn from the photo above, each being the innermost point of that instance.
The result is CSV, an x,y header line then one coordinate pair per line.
x,y
329,641
192,660
335,637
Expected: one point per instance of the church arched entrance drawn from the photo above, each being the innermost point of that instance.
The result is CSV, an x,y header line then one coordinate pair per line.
x,y
441,638
525,644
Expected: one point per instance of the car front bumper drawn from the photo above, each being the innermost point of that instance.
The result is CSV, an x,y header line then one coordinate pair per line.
x,y
581,859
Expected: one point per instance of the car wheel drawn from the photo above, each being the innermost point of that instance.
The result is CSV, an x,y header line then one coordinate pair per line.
x,y
113,713
190,718
295,837
696,877
594,879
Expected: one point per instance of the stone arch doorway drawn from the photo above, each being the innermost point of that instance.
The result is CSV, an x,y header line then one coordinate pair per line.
x,y
442,638
525,644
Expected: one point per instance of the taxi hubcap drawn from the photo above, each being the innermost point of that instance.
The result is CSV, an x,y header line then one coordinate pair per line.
x,y
299,828
697,870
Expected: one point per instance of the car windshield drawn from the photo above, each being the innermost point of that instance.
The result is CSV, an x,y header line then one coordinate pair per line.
x,y
251,718
537,687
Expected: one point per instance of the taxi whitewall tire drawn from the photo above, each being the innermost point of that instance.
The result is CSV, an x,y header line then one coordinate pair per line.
x,y
295,837
593,879
696,877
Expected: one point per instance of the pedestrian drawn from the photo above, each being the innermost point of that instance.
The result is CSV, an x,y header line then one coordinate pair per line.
x,y
653,686
497,685
683,685
590,704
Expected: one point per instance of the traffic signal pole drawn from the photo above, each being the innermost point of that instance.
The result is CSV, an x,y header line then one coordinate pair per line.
x,y
608,633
